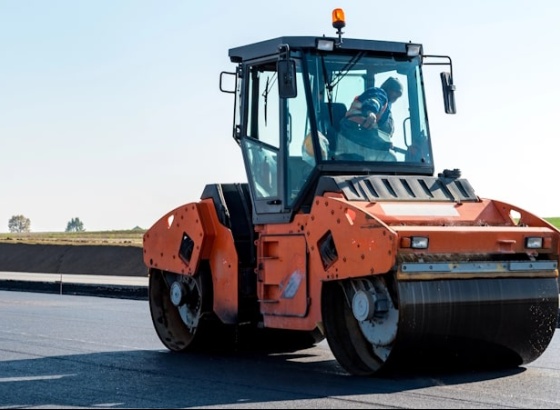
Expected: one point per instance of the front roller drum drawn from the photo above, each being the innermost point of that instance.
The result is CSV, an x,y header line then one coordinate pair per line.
x,y
374,324
495,323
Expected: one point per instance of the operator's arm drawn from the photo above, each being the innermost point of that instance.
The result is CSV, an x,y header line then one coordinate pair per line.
x,y
373,105
386,124
373,100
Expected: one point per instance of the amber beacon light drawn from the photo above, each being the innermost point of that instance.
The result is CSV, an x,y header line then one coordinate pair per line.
x,y
338,19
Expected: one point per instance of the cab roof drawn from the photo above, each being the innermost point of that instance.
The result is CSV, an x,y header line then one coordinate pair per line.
x,y
271,47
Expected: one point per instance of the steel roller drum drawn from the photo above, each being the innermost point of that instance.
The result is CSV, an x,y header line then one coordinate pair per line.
x,y
475,322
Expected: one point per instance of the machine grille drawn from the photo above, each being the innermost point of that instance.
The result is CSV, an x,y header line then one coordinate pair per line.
x,y
408,188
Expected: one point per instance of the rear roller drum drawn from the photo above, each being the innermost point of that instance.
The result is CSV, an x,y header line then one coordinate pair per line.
x,y
181,309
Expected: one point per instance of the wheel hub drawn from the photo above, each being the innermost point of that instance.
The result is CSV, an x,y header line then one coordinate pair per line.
x,y
363,305
185,296
376,315
177,293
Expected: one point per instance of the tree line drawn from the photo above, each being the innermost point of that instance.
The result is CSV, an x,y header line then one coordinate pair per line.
x,y
21,224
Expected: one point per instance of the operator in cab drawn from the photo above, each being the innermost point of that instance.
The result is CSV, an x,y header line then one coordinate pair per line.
x,y
366,130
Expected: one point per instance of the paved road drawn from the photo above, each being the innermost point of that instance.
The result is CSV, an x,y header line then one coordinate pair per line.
x,y
66,351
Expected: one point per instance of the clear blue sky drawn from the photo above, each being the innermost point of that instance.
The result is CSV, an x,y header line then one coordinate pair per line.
x,y
110,110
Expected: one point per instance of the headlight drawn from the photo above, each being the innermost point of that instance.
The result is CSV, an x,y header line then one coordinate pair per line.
x,y
415,242
325,45
533,242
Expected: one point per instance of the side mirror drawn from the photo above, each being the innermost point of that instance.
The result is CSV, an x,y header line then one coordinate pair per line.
x,y
228,87
448,93
287,87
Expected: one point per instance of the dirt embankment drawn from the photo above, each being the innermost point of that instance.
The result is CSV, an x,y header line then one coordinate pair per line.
x,y
72,259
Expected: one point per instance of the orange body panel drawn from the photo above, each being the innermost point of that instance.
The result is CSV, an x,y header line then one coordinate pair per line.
x,y
163,240
365,245
282,275
484,213
476,239
212,241
286,284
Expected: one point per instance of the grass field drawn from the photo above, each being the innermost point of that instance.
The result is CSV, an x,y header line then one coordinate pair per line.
x,y
125,238
554,221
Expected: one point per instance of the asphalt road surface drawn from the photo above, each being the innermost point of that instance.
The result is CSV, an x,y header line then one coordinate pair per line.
x,y
66,351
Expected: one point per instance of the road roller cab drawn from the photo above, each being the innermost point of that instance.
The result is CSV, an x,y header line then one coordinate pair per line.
x,y
343,230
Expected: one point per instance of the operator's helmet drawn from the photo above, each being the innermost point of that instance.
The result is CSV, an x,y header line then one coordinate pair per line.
x,y
307,152
392,84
